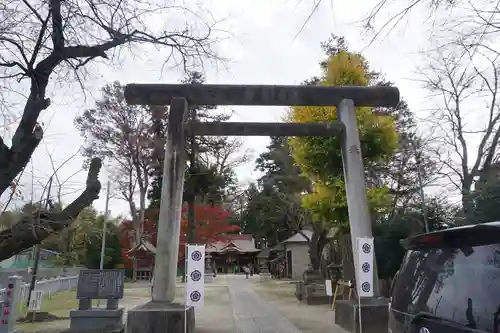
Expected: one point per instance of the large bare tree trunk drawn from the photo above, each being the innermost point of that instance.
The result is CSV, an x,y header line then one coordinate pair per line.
x,y
27,233
316,245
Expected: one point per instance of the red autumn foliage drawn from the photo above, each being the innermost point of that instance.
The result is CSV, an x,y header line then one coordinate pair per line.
x,y
212,224
127,237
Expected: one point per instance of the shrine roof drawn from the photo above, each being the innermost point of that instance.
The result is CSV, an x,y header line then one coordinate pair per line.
x,y
143,246
299,237
234,243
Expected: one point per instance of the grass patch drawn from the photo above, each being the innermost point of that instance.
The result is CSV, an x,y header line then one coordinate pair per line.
x,y
55,326
281,288
58,305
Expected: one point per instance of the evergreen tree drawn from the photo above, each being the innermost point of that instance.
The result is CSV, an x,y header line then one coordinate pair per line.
x,y
273,209
208,178
202,177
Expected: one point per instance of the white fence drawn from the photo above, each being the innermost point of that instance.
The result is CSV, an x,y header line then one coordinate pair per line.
x,y
46,286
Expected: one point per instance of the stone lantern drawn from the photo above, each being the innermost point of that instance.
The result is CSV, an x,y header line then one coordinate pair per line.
x,y
208,268
262,259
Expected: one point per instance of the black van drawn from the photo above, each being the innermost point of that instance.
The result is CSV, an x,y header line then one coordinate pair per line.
x,y
449,281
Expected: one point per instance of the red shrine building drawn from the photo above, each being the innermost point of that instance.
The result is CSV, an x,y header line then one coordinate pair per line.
x,y
228,255
144,255
232,253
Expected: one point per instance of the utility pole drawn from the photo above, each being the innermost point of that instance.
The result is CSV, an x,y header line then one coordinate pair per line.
x,y
191,190
104,226
191,193
104,229
36,249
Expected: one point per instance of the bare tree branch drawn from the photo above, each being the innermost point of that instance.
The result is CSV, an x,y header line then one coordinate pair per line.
x,y
464,77
55,173
44,40
26,233
37,41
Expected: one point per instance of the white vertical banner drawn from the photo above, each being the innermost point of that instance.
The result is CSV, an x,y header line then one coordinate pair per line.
x,y
365,266
195,275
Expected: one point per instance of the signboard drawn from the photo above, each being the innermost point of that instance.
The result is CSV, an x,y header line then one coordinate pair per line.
x,y
100,284
35,300
365,266
328,287
195,275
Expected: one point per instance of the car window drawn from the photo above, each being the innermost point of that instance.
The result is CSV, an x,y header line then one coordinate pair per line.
x,y
458,285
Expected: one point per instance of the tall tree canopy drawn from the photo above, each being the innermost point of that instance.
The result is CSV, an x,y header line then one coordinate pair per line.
x,y
43,41
80,244
315,181
210,176
273,209
120,134
321,158
210,160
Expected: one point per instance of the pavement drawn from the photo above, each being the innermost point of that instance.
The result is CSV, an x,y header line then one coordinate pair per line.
x,y
252,314
280,295
234,304
261,307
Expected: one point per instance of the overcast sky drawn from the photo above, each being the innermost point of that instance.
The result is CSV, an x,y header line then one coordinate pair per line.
x,y
261,49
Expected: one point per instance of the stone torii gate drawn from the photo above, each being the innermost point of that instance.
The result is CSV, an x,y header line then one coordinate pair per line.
x,y
162,314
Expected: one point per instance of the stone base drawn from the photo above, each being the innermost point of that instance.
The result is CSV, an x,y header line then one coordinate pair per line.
x,y
157,317
38,316
374,315
208,277
299,290
265,276
122,330
312,293
96,320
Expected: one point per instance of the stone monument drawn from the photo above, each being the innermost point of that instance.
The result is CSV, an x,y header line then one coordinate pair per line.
x,y
106,284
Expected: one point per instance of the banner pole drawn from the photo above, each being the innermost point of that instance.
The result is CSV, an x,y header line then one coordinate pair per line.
x,y
359,314
365,268
185,285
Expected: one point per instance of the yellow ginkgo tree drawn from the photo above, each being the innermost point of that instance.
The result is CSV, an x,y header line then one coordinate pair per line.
x,y
320,158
